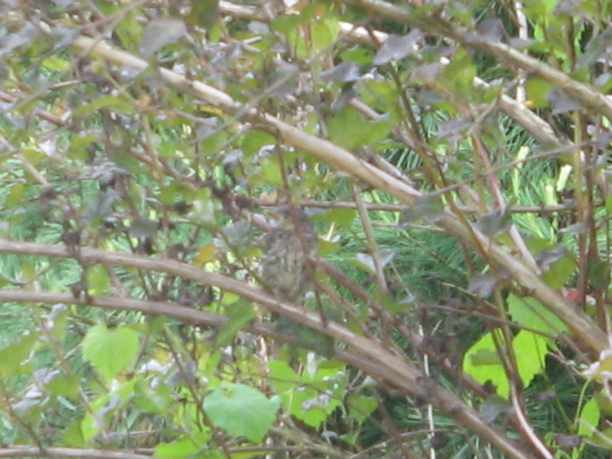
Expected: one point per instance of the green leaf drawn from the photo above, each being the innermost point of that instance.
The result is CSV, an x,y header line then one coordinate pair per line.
x,y
65,385
588,419
14,355
341,217
254,140
241,411
361,407
483,371
116,103
15,195
240,314
204,13
460,73
530,350
310,398
73,436
97,280
272,172
185,447
537,90
152,400
530,313
350,129
110,351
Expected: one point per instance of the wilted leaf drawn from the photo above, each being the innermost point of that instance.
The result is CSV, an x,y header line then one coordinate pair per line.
x,y
159,33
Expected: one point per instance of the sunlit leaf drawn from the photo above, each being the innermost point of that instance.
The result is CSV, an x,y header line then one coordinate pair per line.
x,y
530,350
241,411
14,355
110,351
529,312
481,361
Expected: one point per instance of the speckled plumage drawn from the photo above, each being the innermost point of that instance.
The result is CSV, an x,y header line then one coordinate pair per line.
x,y
288,252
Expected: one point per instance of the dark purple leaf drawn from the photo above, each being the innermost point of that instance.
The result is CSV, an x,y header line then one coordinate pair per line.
x,y
159,33
454,126
396,47
546,257
142,227
343,73
495,222
493,407
428,207
567,441
561,102
425,72
490,30
482,285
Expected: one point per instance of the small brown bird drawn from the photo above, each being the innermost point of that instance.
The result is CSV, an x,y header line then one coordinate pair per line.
x,y
288,254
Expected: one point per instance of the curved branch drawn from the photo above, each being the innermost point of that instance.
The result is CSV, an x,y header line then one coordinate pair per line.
x,y
14,451
368,354
587,95
580,323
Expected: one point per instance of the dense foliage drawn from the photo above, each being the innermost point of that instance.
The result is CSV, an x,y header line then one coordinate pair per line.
x,y
451,156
